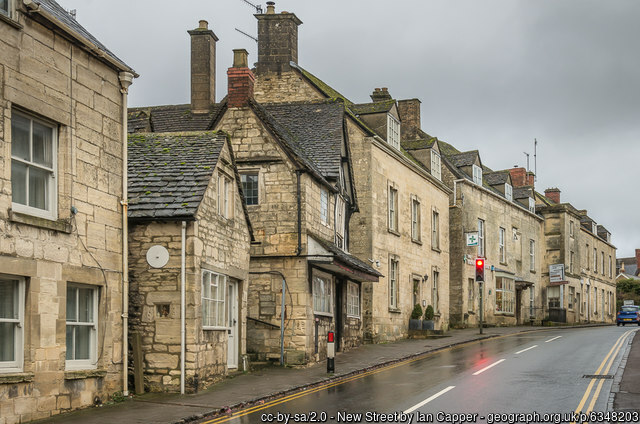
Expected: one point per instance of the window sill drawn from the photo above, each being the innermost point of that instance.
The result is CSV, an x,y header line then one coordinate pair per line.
x,y
394,232
18,377
61,225
504,263
532,271
436,249
215,328
354,317
323,314
10,21
82,374
416,241
394,310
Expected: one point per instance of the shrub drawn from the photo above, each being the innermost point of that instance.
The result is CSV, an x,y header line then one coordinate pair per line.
x,y
417,311
428,313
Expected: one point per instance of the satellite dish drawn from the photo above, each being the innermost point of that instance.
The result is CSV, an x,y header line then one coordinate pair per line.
x,y
157,256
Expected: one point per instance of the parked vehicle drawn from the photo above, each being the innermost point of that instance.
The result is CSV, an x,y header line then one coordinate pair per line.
x,y
629,314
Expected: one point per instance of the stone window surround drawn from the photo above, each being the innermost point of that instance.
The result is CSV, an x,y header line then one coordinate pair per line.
x,y
435,229
91,362
416,218
393,281
532,256
392,208
16,366
435,290
502,246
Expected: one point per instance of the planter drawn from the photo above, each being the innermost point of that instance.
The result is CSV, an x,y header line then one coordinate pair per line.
x,y
415,324
427,325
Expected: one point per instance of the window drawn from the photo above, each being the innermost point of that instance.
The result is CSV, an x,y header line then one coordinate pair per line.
x,y
504,295
11,323
595,260
435,230
570,228
477,174
4,7
508,192
532,298
471,295
393,131
353,299
393,208
578,301
602,262
213,291
572,295
435,297
322,294
481,238
610,267
393,283
532,205
415,220
586,254
224,196
532,255
324,206
571,262
250,188
436,167
553,296
595,301
501,246
340,223
82,326
33,165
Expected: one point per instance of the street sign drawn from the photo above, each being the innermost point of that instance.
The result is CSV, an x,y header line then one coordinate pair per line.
x,y
556,273
472,238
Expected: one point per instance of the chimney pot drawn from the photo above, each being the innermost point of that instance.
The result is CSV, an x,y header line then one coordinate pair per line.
x,y
240,79
202,24
271,8
240,58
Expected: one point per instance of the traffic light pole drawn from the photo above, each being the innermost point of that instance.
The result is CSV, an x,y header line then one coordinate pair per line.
x,y
481,304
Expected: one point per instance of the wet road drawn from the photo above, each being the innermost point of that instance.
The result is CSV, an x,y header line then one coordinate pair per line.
x,y
547,372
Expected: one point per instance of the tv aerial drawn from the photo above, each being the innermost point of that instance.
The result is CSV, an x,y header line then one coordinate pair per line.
x,y
257,7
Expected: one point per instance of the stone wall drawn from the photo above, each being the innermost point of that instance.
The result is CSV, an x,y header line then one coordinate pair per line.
x,y
46,77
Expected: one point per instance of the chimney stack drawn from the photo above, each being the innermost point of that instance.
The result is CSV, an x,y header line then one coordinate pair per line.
x,y
518,177
553,194
277,40
409,110
380,95
240,80
203,68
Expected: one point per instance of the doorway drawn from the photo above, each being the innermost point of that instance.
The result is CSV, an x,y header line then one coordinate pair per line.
x,y
232,331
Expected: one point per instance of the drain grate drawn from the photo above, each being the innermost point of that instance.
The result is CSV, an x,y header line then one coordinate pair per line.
x,y
598,376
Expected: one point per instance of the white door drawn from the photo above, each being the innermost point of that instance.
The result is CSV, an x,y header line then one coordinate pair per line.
x,y
232,340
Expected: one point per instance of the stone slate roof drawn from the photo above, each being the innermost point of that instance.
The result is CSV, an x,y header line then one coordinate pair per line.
x,y
418,144
522,192
347,258
63,16
172,118
317,127
374,107
169,173
463,159
496,178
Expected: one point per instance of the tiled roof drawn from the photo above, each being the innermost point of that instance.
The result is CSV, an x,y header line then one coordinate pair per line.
x,y
522,192
464,159
496,178
374,107
447,149
317,127
169,173
172,118
64,17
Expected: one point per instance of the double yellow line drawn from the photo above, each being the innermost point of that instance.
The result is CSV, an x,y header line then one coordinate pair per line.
x,y
606,365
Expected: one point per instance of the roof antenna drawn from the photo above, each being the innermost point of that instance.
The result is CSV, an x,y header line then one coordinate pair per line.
x,y
257,7
250,36
535,160
527,154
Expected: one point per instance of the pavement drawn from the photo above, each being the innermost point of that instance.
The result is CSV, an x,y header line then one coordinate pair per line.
x,y
256,387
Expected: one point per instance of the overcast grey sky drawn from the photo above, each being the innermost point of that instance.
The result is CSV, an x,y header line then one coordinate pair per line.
x,y
492,75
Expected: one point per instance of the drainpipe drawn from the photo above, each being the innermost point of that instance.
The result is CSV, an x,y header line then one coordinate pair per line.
x,y
182,304
126,78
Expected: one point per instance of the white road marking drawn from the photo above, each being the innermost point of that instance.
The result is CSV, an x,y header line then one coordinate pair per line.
x,y
427,400
524,350
487,367
550,340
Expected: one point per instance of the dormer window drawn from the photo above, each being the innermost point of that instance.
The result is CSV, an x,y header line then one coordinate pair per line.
x,y
508,192
477,175
594,228
393,131
532,205
436,169
4,7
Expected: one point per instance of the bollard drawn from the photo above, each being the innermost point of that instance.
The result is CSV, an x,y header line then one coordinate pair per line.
x,y
331,352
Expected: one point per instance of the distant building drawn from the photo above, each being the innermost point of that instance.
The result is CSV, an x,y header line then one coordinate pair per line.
x,y
628,268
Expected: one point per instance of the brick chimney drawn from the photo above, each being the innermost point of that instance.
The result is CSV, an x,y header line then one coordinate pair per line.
x,y
531,178
240,80
380,95
553,194
277,40
203,68
409,113
518,177
638,258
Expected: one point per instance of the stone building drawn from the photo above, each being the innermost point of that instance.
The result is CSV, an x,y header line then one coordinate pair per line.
x,y
403,213
62,287
574,242
189,238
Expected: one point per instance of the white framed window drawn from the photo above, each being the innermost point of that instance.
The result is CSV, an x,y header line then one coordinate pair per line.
x,y
553,296
602,263
532,205
393,208
532,299
595,260
481,238
324,206
213,300
353,299
5,7
586,254
571,261
415,220
250,188
341,223
225,202
11,323
393,131
435,295
508,192
436,165
82,327
33,166
504,295
594,228
322,293
532,255
435,230
393,282
477,174
572,295
610,267
501,246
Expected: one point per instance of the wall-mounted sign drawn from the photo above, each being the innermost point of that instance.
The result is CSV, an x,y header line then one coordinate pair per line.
x,y
472,238
556,273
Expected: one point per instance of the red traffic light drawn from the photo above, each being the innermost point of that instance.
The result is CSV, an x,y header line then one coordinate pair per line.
x,y
480,263
480,269
330,337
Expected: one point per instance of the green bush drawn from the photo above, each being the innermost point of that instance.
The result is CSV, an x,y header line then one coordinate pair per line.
x,y
428,313
417,311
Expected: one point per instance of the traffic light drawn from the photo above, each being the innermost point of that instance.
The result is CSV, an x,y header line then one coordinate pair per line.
x,y
480,270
